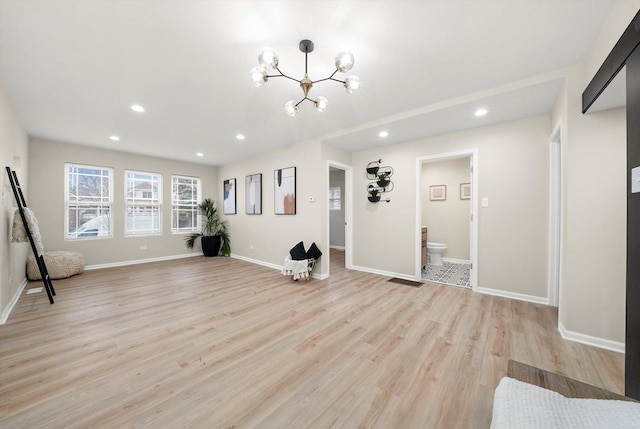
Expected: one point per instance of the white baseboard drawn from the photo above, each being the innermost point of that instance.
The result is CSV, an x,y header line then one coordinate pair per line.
x,y
614,346
14,300
514,295
257,262
336,247
140,261
456,261
384,273
274,266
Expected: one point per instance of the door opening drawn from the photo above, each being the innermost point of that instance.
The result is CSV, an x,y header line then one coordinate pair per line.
x,y
455,195
339,204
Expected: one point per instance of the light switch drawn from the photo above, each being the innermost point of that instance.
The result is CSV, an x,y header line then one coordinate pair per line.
x,y
485,202
635,180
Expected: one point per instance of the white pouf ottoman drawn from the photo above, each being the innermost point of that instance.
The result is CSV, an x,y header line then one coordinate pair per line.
x,y
60,264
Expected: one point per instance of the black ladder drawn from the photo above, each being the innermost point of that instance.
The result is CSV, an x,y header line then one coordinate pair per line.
x,y
22,204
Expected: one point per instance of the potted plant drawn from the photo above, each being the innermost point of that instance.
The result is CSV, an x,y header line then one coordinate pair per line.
x,y
214,233
383,179
374,195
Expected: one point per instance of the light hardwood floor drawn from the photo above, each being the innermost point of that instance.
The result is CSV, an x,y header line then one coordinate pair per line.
x,y
222,343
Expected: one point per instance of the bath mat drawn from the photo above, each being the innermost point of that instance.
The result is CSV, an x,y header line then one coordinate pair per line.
x,y
405,282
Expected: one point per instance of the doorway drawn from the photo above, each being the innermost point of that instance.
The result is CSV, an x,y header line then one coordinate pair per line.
x,y
454,192
339,231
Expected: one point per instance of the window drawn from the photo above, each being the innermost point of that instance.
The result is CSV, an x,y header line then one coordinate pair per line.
x,y
185,196
335,202
88,200
143,201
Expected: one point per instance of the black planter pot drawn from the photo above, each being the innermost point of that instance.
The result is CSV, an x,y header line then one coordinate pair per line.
x,y
383,183
372,170
211,245
374,199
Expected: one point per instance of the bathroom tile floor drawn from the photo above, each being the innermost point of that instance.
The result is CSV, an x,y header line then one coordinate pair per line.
x,y
448,273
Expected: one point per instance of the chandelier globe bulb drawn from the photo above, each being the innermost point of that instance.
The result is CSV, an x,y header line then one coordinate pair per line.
x,y
321,103
268,58
291,108
258,75
344,61
352,83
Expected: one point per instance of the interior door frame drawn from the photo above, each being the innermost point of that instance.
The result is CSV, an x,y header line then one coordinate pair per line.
x,y
555,217
473,245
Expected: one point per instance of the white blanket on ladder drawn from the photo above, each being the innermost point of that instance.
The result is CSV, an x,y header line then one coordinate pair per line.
x,y
19,233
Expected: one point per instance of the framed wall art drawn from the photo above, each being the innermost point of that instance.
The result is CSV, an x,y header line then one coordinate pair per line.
x,y
253,194
437,192
465,191
284,191
229,192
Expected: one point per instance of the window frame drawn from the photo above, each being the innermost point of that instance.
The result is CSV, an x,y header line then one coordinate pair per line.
x,y
175,205
128,205
68,204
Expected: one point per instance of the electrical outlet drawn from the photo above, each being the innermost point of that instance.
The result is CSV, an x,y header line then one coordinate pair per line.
x,y
251,246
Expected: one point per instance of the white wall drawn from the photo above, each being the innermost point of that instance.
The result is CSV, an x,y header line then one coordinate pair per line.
x,y
513,173
592,290
593,254
448,221
267,238
47,173
14,146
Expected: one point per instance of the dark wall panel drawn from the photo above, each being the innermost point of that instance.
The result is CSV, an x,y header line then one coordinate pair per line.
x,y
632,346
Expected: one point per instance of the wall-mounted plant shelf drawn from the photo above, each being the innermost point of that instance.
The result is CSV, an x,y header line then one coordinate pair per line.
x,y
381,181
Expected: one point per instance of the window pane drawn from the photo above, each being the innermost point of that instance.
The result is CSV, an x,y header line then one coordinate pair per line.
x,y
143,188
89,221
143,220
143,197
88,184
88,199
185,195
334,198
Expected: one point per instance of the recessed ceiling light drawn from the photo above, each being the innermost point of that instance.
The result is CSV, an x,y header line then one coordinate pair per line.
x,y
114,138
240,136
383,134
200,154
137,108
481,112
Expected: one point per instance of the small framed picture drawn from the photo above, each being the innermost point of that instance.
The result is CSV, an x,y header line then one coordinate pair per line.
x,y
437,192
229,196
253,194
465,191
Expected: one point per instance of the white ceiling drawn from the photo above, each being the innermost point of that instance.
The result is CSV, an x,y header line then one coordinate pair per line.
x,y
73,68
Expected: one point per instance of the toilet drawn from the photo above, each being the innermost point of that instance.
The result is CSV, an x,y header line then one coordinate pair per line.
x,y
435,251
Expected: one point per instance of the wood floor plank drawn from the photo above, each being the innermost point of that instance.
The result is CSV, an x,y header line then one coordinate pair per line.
x,y
222,343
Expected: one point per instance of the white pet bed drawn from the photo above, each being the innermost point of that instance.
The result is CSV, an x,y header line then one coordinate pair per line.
x,y
524,406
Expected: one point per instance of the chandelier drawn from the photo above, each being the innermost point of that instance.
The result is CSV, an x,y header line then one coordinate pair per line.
x,y
268,59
